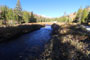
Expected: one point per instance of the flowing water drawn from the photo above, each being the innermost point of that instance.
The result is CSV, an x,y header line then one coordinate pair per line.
x,y
87,28
31,44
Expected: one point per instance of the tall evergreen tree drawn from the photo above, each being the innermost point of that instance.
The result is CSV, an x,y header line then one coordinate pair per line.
x,y
18,7
79,15
32,18
18,11
4,10
88,18
84,15
0,13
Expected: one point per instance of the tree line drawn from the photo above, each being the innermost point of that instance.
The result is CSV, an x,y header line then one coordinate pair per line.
x,y
83,16
18,16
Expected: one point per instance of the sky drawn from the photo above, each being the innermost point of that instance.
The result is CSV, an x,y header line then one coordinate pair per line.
x,y
49,8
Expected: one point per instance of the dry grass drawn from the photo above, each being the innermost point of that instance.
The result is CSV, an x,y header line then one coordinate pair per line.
x,y
75,35
9,32
69,43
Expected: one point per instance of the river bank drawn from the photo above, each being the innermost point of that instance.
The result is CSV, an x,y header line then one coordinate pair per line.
x,y
61,42
69,42
12,32
26,47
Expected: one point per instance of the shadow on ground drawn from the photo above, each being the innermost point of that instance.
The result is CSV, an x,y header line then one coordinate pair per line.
x,y
69,43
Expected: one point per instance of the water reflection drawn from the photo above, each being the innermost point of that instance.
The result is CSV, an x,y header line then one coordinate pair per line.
x,y
87,28
47,27
31,44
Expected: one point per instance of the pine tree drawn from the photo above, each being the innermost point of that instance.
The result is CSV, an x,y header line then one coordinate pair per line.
x,y
4,10
0,13
88,18
18,11
32,18
84,15
18,7
78,16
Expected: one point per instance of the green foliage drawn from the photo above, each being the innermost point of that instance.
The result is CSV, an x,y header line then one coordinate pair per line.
x,y
26,16
79,15
18,8
88,18
10,15
32,18
4,10
18,12
84,15
19,16
61,19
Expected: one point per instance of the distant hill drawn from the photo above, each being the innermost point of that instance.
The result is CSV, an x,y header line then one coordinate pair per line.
x,y
72,15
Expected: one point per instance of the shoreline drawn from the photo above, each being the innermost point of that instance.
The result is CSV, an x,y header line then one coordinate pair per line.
x,y
12,32
68,43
